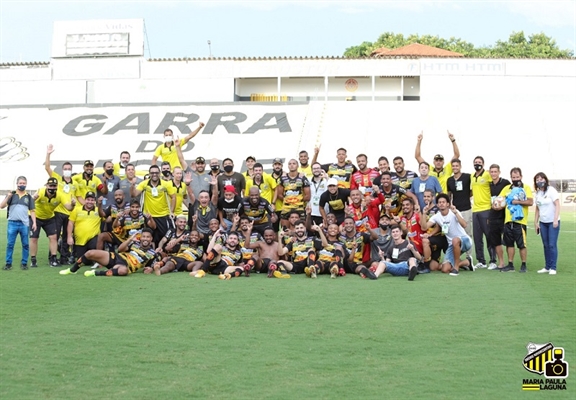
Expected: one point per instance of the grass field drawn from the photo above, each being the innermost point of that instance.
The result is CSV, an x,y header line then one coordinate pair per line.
x,y
176,337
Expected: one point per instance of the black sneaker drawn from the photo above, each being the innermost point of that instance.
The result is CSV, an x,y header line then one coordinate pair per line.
x,y
412,273
523,268
63,261
71,260
54,263
33,263
472,267
24,267
366,273
7,267
454,272
508,268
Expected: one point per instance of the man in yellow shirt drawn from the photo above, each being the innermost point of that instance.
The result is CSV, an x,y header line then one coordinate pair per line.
x,y
84,226
481,212
518,198
167,150
87,182
440,171
46,200
159,199
266,184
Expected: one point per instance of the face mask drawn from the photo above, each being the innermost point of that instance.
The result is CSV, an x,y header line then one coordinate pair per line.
x,y
167,139
478,167
228,168
384,227
22,188
109,172
51,191
541,184
67,173
229,200
166,173
214,167
517,183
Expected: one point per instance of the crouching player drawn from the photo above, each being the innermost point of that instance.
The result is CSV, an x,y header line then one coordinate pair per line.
x,y
401,257
187,259
222,260
268,249
131,256
450,222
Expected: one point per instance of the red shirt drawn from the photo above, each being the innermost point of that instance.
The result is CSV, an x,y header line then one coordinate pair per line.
x,y
415,231
364,179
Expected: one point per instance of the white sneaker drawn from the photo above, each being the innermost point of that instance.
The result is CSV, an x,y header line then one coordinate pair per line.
x,y
96,265
543,271
492,266
552,272
480,265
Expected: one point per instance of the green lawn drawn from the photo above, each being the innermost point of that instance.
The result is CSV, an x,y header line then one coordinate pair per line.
x,y
174,336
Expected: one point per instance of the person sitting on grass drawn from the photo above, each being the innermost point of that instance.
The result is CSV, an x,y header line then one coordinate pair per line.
x,y
450,222
187,259
268,250
222,260
401,258
131,256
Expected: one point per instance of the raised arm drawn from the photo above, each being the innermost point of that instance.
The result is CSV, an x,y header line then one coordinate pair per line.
x,y
192,134
47,167
417,153
454,146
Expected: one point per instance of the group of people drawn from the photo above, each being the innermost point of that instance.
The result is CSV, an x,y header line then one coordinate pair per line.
x,y
336,218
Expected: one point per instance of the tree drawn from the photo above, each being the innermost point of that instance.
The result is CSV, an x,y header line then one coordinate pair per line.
x,y
536,46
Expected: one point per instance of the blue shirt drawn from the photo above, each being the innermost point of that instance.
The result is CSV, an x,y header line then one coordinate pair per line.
x,y
419,186
18,208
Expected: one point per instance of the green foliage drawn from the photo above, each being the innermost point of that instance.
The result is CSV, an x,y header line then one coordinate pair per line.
x,y
517,46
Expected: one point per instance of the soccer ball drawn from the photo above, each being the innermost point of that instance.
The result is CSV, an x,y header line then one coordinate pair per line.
x,y
499,202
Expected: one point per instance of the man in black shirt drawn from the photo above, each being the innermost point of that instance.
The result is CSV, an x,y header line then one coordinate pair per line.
x,y
400,259
496,217
460,190
337,199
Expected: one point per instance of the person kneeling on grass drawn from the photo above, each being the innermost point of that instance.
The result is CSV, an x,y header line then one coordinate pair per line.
x,y
187,259
222,260
131,256
450,222
400,258
268,249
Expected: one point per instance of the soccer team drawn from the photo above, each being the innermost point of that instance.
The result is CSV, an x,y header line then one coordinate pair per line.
x,y
335,219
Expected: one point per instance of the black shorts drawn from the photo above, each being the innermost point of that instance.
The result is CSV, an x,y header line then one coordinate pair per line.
x,y
49,226
114,259
495,231
298,267
515,233
219,268
438,244
180,263
90,245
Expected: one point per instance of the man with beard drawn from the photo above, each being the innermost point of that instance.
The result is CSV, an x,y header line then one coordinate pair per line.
x,y
84,226
166,171
341,170
449,221
129,180
231,178
318,185
109,214
87,182
331,256
354,243
439,171
393,195
125,224
258,209
336,199
167,150
460,190
424,182
401,259
304,168
411,221
433,244
120,168
111,181
176,239
497,216
402,178
47,199
265,183
250,256
294,190
132,255
481,212
200,177
159,201
186,259
67,189
383,166
363,179
222,260
301,249
268,251
382,244
277,175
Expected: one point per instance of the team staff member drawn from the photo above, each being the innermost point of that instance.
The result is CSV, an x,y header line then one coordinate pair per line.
x,y
111,181
229,177
167,150
47,199
120,167
127,182
84,226
481,211
496,216
265,183
19,203
159,201
87,182
66,189
441,172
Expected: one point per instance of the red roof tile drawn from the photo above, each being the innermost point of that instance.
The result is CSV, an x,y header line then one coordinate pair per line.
x,y
417,49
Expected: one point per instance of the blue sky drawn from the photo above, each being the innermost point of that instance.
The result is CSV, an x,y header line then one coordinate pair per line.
x,y
283,28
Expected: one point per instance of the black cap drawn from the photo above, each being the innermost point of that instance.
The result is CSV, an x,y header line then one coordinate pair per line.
x,y
88,162
200,160
251,158
277,161
52,181
90,194
438,157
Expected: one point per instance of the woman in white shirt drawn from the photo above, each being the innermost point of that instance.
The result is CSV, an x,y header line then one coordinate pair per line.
x,y
547,220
